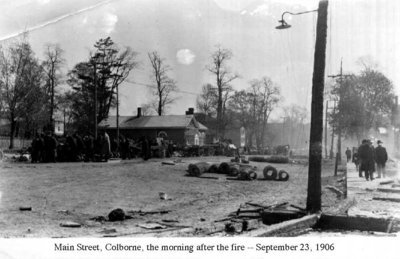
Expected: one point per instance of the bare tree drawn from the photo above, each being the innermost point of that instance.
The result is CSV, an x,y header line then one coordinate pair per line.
x,y
20,84
52,68
164,85
148,109
265,97
206,102
224,77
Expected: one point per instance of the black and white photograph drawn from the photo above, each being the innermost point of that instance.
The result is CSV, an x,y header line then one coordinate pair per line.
x,y
193,128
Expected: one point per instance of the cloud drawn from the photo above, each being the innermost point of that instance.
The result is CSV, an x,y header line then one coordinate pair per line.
x,y
109,22
43,1
261,10
185,56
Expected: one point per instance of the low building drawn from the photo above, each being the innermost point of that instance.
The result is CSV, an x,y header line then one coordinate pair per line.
x,y
181,129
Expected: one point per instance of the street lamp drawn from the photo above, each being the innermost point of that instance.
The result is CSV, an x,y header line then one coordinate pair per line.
x,y
284,24
317,107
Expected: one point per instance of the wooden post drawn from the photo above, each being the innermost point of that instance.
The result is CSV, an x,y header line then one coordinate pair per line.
x,y
326,130
336,163
317,110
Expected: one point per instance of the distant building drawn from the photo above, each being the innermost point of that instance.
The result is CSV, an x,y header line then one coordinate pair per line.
x,y
58,124
181,129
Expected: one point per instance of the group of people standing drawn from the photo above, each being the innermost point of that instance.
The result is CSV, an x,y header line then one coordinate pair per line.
x,y
48,148
367,156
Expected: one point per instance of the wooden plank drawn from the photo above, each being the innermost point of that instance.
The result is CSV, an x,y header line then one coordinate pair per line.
x,y
285,227
388,190
353,223
386,182
392,199
341,208
279,215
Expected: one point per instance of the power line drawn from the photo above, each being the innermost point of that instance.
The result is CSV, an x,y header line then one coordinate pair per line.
x,y
55,20
154,87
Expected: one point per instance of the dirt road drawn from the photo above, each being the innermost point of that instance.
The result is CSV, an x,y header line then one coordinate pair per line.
x,y
80,191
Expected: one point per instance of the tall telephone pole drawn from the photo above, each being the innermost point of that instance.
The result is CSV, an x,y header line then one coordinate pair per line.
x,y
326,130
339,126
317,112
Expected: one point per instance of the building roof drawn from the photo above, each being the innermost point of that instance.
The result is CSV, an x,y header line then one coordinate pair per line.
x,y
152,122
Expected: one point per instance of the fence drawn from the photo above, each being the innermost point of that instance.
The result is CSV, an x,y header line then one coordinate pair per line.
x,y
19,143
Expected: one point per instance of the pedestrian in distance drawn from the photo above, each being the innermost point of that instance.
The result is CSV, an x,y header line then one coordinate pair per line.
x,y
106,147
367,163
381,158
348,154
356,160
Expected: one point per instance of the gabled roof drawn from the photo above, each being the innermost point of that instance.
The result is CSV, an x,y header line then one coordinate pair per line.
x,y
152,122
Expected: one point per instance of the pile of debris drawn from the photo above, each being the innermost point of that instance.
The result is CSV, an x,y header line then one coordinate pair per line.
x,y
236,171
253,216
239,170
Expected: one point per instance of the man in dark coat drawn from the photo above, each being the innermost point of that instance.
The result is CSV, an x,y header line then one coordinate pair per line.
x,y
348,154
381,158
367,163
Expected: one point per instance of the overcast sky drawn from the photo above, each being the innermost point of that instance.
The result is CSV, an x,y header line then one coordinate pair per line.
x,y
185,32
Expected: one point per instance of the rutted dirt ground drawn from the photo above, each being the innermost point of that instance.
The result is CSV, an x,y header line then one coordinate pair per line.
x,y
80,191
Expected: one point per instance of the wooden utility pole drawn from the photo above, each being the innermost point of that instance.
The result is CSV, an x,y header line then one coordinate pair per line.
x,y
95,99
117,119
326,130
339,129
333,134
317,112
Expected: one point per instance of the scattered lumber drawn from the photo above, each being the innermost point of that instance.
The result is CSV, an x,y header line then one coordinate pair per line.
x,y
275,216
284,228
340,222
70,224
386,182
395,185
393,190
342,208
338,192
144,213
297,207
167,163
275,205
240,226
391,199
204,177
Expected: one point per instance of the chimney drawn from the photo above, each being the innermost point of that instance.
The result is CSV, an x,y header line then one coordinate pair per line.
x,y
190,111
139,112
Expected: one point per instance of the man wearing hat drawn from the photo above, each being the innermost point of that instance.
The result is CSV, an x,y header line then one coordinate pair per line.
x,y
380,158
367,163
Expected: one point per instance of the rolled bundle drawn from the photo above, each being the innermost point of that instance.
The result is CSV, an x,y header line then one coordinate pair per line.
x,y
283,175
234,170
198,168
213,169
247,174
270,173
224,168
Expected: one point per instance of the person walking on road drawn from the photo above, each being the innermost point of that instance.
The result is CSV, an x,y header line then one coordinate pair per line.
x,y
381,158
367,163
348,154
